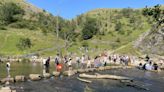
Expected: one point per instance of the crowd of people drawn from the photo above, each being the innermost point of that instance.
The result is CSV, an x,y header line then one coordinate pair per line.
x,y
85,61
149,65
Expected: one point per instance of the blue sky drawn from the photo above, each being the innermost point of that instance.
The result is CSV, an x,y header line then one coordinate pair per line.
x,y
71,8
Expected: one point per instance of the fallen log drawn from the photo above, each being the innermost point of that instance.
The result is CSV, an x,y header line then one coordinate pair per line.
x,y
84,80
99,76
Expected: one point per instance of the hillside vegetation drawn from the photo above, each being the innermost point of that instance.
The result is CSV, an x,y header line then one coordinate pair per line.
x,y
26,29
152,42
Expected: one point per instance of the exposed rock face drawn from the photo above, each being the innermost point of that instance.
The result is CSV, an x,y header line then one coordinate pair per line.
x,y
152,42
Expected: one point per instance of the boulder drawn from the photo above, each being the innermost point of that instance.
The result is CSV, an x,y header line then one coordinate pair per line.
x,y
35,77
101,68
46,75
68,73
5,89
86,70
19,78
91,69
55,73
107,67
4,80
81,70
75,71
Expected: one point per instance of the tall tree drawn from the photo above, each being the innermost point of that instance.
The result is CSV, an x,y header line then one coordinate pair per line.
x,y
10,12
89,29
157,13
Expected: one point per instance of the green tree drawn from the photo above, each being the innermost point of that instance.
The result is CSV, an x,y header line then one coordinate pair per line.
x,y
156,13
10,12
24,43
89,29
118,26
126,12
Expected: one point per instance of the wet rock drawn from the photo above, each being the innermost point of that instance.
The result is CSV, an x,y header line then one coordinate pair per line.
x,y
5,89
3,81
101,68
86,70
68,73
46,75
20,78
81,70
75,71
35,77
107,67
55,73
90,69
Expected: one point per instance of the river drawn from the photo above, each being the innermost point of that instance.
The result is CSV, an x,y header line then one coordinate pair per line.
x,y
153,81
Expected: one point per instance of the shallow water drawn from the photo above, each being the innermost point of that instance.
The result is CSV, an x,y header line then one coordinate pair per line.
x,y
150,80
23,68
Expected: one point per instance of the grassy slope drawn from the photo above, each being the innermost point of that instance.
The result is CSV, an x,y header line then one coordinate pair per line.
x,y
97,44
10,37
109,41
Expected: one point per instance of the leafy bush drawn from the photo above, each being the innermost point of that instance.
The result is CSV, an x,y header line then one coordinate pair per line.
x,y
2,28
156,13
10,12
90,28
24,43
23,24
18,25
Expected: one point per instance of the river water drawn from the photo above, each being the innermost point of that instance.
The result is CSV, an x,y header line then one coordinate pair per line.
x,y
152,81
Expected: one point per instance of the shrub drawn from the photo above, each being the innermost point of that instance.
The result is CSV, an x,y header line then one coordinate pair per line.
x,y
2,28
10,12
24,43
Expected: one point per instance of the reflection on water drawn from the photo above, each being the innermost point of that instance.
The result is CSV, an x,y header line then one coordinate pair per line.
x,y
23,68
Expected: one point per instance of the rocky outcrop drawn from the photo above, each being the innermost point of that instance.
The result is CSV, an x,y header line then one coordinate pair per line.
x,y
151,42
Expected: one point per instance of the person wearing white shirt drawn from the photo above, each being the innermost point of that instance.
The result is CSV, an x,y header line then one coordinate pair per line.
x,y
149,66
8,68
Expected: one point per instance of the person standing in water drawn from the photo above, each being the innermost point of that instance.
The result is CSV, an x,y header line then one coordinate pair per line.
x,y
57,59
70,64
8,68
47,65
44,65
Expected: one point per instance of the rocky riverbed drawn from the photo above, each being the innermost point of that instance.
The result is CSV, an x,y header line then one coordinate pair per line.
x,y
152,81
